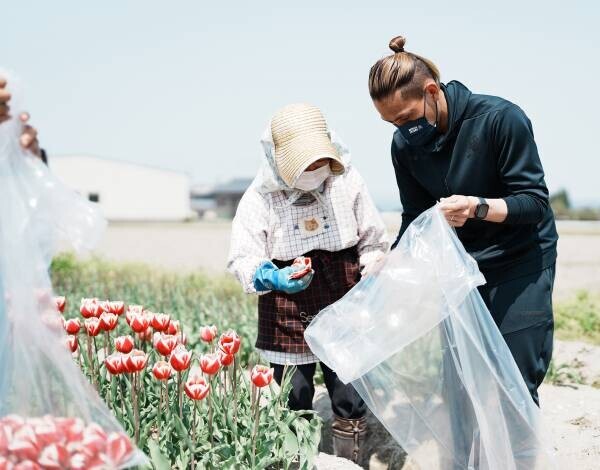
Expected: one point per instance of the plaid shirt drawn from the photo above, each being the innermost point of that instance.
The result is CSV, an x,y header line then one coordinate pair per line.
x,y
267,227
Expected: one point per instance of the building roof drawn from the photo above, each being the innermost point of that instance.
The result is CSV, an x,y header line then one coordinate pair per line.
x,y
118,162
236,186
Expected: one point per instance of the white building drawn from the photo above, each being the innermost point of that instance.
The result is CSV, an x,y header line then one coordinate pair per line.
x,y
126,191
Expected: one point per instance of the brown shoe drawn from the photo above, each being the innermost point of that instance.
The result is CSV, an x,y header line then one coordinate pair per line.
x,y
348,436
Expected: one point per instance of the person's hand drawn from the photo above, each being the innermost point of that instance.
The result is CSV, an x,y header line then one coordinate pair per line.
x,y
4,99
29,139
270,277
373,267
457,209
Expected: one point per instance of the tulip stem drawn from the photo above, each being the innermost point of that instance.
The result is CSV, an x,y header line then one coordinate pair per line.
x,y
91,362
160,406
180,395
210,414
256,423
194,434
136,410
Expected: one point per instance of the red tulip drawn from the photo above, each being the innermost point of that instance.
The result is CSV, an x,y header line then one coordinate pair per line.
x,y
118,449
160,321
208,333
114,363
261,376
108,321
135,361
162,370
173,327
61,303
124,344
138,321
72,326
230,342
210,364
94,439
72,343
54,456
92,326
131,310
196,387
180,358
165,344
225,359
116,307
90,308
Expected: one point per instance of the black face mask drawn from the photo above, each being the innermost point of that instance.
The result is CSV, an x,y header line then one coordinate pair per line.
x,y
420,132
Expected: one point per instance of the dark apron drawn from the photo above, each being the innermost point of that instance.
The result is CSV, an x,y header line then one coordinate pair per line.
x,y
282,318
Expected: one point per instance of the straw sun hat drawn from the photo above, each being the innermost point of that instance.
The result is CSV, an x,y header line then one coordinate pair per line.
x,y
301,138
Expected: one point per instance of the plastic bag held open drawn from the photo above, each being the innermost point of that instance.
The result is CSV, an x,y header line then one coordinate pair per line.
x,y
50,416
419,345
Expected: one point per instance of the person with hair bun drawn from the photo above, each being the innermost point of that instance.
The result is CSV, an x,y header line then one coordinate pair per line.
x,y
476,155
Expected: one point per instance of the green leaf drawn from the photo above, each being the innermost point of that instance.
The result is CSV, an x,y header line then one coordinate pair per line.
x,y
159,461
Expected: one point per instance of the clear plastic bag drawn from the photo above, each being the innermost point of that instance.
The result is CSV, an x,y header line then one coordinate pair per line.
x,y
421,348
50,416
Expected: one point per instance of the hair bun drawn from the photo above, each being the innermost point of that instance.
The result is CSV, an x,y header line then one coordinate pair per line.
x,y
397,44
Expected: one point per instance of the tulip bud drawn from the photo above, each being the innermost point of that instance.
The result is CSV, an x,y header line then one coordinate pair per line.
x,y
230,342
162,370
72,326
208,333
124,344
114,363
165,344
138,321
71,342
210,364
196,387
61,303
160,321
261,376
180,358
108,321
225,359
92,326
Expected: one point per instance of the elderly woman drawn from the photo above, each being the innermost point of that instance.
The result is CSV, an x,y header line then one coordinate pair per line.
x,y
307,200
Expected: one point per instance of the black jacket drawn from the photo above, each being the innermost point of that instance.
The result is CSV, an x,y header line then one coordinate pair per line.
x,y
488,151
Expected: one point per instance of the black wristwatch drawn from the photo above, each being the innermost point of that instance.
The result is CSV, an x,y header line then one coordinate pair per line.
x,y
481,209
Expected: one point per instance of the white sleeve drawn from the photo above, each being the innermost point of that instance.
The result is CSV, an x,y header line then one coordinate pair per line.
x,y
249,232
373,239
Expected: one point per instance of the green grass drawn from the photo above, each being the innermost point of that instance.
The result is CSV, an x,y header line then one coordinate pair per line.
x,y
578,318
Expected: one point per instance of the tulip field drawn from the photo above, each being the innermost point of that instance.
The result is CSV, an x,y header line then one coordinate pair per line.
x,y
172,357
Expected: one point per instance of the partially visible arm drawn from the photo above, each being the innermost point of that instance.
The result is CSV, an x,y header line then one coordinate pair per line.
x,y
414,197
373,240
248,249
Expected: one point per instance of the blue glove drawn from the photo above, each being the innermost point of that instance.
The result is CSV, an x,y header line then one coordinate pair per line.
x,y
270,277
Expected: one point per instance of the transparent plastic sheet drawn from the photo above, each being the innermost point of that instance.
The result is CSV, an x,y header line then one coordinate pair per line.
x,y
43,394
419,345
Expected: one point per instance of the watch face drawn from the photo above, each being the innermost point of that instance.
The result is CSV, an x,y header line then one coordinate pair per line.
x,y
481,211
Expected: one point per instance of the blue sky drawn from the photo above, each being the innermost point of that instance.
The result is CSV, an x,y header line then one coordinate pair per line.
x,y
190,87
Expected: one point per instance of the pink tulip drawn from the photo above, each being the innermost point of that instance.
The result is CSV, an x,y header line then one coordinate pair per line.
x,y
124,344
180,358
72,326
208,333
210,364
261,376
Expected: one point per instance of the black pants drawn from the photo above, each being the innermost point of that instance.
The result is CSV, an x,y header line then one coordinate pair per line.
x,y
522,309
345,401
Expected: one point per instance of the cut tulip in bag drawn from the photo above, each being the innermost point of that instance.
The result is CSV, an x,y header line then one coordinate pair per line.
x,y
421,348
50,416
